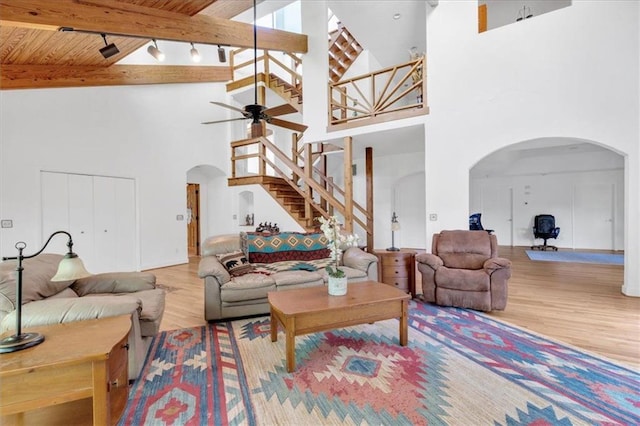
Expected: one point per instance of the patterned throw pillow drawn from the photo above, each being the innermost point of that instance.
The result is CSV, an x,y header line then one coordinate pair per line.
x,y
235,263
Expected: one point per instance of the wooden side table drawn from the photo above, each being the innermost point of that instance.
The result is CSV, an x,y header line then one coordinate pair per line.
x,y
397,268
83,361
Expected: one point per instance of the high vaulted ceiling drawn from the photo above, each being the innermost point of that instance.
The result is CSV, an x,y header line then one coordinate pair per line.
x,y
34,53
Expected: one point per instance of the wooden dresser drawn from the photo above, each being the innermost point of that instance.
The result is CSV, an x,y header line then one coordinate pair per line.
x,y
397,268
78,375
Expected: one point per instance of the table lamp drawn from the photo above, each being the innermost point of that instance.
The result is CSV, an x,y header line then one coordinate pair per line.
x,y
395,226
70,268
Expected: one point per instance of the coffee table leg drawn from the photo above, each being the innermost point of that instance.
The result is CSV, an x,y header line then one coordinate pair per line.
x,y
404,324
290,329
274,327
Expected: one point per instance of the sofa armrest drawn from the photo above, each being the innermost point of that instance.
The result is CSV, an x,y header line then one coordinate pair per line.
x,y
356,258
114,282
496,263
63,310
430,260
211,266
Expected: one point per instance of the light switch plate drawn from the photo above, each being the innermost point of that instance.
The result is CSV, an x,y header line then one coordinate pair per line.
x,y
179,217
7,223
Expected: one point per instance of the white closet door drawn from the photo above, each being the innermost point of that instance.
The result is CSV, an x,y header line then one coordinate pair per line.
x,y
104,213
593,216
81,218
125,231
55,211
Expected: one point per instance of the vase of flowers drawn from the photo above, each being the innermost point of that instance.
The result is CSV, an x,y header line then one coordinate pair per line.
x,y
338,241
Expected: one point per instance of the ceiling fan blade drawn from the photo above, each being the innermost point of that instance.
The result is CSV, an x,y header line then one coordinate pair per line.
x,y
241,111
223,121
283,109
287,124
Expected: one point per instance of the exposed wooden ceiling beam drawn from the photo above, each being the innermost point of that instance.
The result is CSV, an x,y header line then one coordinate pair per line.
x,y
119,18
49,76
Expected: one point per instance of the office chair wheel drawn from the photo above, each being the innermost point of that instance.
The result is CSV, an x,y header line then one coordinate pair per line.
x,y
555,249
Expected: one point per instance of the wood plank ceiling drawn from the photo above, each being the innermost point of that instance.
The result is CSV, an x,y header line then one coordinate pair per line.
x,y
35,54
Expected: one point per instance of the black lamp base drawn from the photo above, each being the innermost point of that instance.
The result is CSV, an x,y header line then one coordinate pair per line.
x,y
17,342
393,249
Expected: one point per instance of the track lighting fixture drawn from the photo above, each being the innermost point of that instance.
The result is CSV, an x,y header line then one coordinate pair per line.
x,y
222,54
155,52
195,55
109,49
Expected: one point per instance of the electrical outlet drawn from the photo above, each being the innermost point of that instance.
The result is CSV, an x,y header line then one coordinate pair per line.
x,y
7,223
433,217
179,217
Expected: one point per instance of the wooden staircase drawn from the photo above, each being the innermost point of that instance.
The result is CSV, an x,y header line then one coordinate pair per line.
x,y
287,197
343,51
290,93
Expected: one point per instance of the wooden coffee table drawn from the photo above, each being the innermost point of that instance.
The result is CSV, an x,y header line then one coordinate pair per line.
x,y
312,309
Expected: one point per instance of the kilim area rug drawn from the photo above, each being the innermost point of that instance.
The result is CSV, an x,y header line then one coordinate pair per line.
x,y
460,368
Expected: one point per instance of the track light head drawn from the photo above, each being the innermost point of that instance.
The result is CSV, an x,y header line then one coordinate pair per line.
x,y
109,49
195,55
155,52
222,54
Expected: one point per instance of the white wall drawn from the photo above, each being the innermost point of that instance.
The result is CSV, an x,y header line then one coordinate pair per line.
x,y
151,134
569,73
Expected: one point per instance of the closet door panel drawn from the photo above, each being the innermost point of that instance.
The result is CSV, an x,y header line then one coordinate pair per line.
x,y
105,214
55,210
125,231
81,218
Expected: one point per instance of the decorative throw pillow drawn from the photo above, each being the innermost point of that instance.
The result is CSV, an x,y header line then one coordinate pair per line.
x,y
235,263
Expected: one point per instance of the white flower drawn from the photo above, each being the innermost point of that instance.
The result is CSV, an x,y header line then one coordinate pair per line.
x,y
337,241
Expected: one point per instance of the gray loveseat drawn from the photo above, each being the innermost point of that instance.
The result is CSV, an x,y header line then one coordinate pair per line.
x,y
102,295
227,296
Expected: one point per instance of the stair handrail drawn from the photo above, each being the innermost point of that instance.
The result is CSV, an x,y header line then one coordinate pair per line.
x,y
313,187
359,103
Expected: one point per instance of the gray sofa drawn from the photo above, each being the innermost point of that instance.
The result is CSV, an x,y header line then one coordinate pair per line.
x,y
102,295
227,296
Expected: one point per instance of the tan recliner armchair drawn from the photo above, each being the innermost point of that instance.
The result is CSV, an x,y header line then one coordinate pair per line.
x,y
464,270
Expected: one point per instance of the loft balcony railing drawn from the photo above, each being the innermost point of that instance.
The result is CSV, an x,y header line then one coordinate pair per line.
x,y
389,94
288,67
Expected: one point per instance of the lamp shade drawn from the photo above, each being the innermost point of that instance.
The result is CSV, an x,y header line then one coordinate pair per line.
x,y
70,268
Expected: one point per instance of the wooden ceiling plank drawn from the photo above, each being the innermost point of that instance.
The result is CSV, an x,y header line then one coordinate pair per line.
x,y
45,76
228,9
138,21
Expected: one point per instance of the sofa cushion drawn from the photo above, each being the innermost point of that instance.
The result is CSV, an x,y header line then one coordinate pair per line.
x,y
247,287
114,282
235,263
153,302
463,279
353,275
286,278
36,278
463,249
286,246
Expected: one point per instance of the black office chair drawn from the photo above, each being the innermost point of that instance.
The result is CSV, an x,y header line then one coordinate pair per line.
x,y
544,226
476,225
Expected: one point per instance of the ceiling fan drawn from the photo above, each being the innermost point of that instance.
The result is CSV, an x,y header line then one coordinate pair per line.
x,y
256,112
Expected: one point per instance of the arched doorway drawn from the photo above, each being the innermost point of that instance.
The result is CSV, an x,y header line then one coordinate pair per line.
x,y
580,182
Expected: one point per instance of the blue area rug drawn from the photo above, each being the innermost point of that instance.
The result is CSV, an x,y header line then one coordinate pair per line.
x,y
460,368
576,256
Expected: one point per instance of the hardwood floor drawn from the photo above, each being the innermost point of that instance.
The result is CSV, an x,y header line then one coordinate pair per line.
x,y
575,303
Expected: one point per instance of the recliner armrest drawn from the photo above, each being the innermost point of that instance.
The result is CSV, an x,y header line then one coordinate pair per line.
x,y
431,260
496,263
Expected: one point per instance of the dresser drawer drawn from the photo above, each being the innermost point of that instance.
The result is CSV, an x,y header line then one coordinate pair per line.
x,y
393,272
399,283
118,378
400,260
